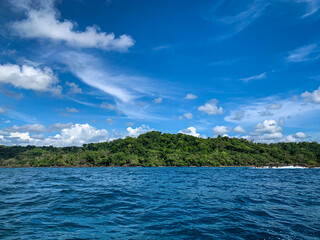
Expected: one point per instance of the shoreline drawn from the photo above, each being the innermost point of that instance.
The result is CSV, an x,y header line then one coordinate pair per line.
x,y
255,167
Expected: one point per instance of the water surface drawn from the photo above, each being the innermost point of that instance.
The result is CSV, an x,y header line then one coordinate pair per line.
x,y
159,203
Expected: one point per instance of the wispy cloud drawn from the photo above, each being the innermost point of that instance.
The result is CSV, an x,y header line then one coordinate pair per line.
x,y
255,77
303,54
241,20
312,7
126,90
89,70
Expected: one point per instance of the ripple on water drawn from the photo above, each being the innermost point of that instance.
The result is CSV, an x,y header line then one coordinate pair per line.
x,y
159,203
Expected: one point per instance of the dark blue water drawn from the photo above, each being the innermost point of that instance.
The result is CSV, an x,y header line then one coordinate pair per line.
x,y
159,203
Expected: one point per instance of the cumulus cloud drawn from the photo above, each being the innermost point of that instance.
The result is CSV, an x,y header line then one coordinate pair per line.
x,y
157,100
43,23
306,53
135,132
267,131
221,130
299,136
190,131
188,115
268,126
74,88
190,96
211,108
270,136
29,77
255,77
239,129
313,97
77,135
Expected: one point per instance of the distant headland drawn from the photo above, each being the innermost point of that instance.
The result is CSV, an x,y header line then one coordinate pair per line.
x,y
154,149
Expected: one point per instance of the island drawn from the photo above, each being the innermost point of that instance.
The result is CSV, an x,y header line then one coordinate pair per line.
x,y
155,149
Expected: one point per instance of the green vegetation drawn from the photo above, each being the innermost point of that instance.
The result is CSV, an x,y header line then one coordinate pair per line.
x,y
156,149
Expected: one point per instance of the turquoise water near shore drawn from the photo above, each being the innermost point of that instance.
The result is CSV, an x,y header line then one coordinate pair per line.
x,y
159,203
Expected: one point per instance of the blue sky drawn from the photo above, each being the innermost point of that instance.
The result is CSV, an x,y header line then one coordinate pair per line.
x,y
80,71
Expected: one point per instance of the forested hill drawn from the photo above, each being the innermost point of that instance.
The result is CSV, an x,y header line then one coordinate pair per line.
x,y
156,149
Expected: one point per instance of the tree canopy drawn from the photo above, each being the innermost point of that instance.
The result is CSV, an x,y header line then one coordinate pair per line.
x,y
157,149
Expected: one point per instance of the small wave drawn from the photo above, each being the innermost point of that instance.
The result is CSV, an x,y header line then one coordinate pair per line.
x,y
283,167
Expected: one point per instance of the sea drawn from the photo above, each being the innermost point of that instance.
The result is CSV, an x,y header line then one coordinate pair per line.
x,y
159,203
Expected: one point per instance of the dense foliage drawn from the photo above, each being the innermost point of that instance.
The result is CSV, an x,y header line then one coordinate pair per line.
x,y
156,149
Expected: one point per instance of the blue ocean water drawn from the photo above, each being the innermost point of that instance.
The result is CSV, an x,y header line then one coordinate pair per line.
x,y
159,203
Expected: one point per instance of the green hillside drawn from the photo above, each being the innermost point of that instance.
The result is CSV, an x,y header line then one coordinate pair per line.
x,y
157,149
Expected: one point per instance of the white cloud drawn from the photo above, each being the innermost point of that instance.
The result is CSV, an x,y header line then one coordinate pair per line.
x,y
2,110
157,100
299,136
188,115
211,108
239,129
268,126
19,137
190,131
313,97
267,132
270,136
255,77
305,53
190,96
290,138
76,135
221,130
135,132
74,88
29,77
43,23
